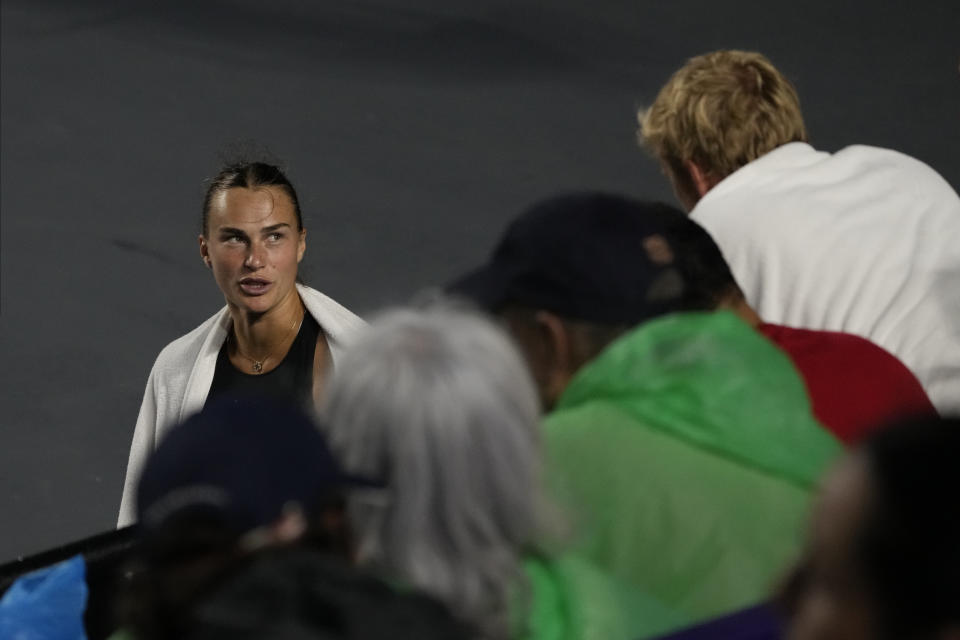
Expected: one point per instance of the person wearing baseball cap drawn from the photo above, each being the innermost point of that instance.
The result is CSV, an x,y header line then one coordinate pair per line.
x,y
682,443
243,533
244,464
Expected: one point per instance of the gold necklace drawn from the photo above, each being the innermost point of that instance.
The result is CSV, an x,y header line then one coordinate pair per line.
x,y
258,363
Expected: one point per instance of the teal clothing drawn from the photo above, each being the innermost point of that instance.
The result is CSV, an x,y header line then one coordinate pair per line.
x,y
686,453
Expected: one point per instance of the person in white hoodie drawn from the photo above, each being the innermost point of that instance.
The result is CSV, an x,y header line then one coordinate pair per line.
x,y
275,337
864,240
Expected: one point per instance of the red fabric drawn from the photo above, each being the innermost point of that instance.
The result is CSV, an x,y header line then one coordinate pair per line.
x,y
854,385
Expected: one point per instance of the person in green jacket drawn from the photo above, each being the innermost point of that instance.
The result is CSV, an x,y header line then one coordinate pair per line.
x,y
439,405
683,443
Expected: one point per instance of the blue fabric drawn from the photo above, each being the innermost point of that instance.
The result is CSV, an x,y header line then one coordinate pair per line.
x,y
755,623
47,604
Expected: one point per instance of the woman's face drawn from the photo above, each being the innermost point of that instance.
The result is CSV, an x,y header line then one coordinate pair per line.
x,y
253,247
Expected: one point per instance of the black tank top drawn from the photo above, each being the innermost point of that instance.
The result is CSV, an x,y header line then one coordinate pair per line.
x,y
291,380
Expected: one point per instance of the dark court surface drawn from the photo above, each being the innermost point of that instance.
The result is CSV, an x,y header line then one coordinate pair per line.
x,y
413,131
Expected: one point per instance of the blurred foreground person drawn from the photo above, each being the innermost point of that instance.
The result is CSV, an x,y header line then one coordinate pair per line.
x,y
863,240
883,555
274,337
440,405
683,444
854,385
244,535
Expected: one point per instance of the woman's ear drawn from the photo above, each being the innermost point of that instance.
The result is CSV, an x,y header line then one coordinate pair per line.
x,y
302,245
204,250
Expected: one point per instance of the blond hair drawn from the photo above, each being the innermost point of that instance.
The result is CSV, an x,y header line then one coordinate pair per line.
x,y
721,110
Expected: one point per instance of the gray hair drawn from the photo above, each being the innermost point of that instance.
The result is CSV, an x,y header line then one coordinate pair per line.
x,y
439,404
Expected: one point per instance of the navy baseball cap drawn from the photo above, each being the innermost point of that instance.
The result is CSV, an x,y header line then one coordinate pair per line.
x,y
587,256
240,461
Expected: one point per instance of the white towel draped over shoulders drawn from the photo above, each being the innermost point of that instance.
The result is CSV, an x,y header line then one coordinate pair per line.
x,y
181,376
865,240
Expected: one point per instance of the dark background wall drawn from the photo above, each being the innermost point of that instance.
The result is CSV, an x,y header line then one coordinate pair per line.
x,y
413,131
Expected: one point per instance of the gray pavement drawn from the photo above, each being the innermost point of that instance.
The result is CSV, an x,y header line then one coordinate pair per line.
x,y
413,131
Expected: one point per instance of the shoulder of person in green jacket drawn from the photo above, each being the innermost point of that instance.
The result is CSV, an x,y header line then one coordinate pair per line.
x,y
712,380
570,599
685,454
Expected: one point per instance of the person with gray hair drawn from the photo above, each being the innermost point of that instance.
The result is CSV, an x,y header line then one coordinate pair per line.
x,y
438,404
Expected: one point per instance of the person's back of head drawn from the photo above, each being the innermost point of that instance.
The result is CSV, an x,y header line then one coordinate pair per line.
x,y
572,273
240,476
438,404
910,543
883,559
717,113
709,282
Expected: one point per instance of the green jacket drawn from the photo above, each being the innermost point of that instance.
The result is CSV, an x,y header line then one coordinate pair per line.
x,y
685,454
569,599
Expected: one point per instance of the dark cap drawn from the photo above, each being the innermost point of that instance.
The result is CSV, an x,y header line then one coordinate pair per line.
x,y
585,256
241,462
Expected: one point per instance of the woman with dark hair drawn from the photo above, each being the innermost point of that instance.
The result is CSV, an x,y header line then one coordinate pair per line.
x,y
275,337
883,555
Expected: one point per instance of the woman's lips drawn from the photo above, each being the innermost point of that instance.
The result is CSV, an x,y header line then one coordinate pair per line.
x,y
254,286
